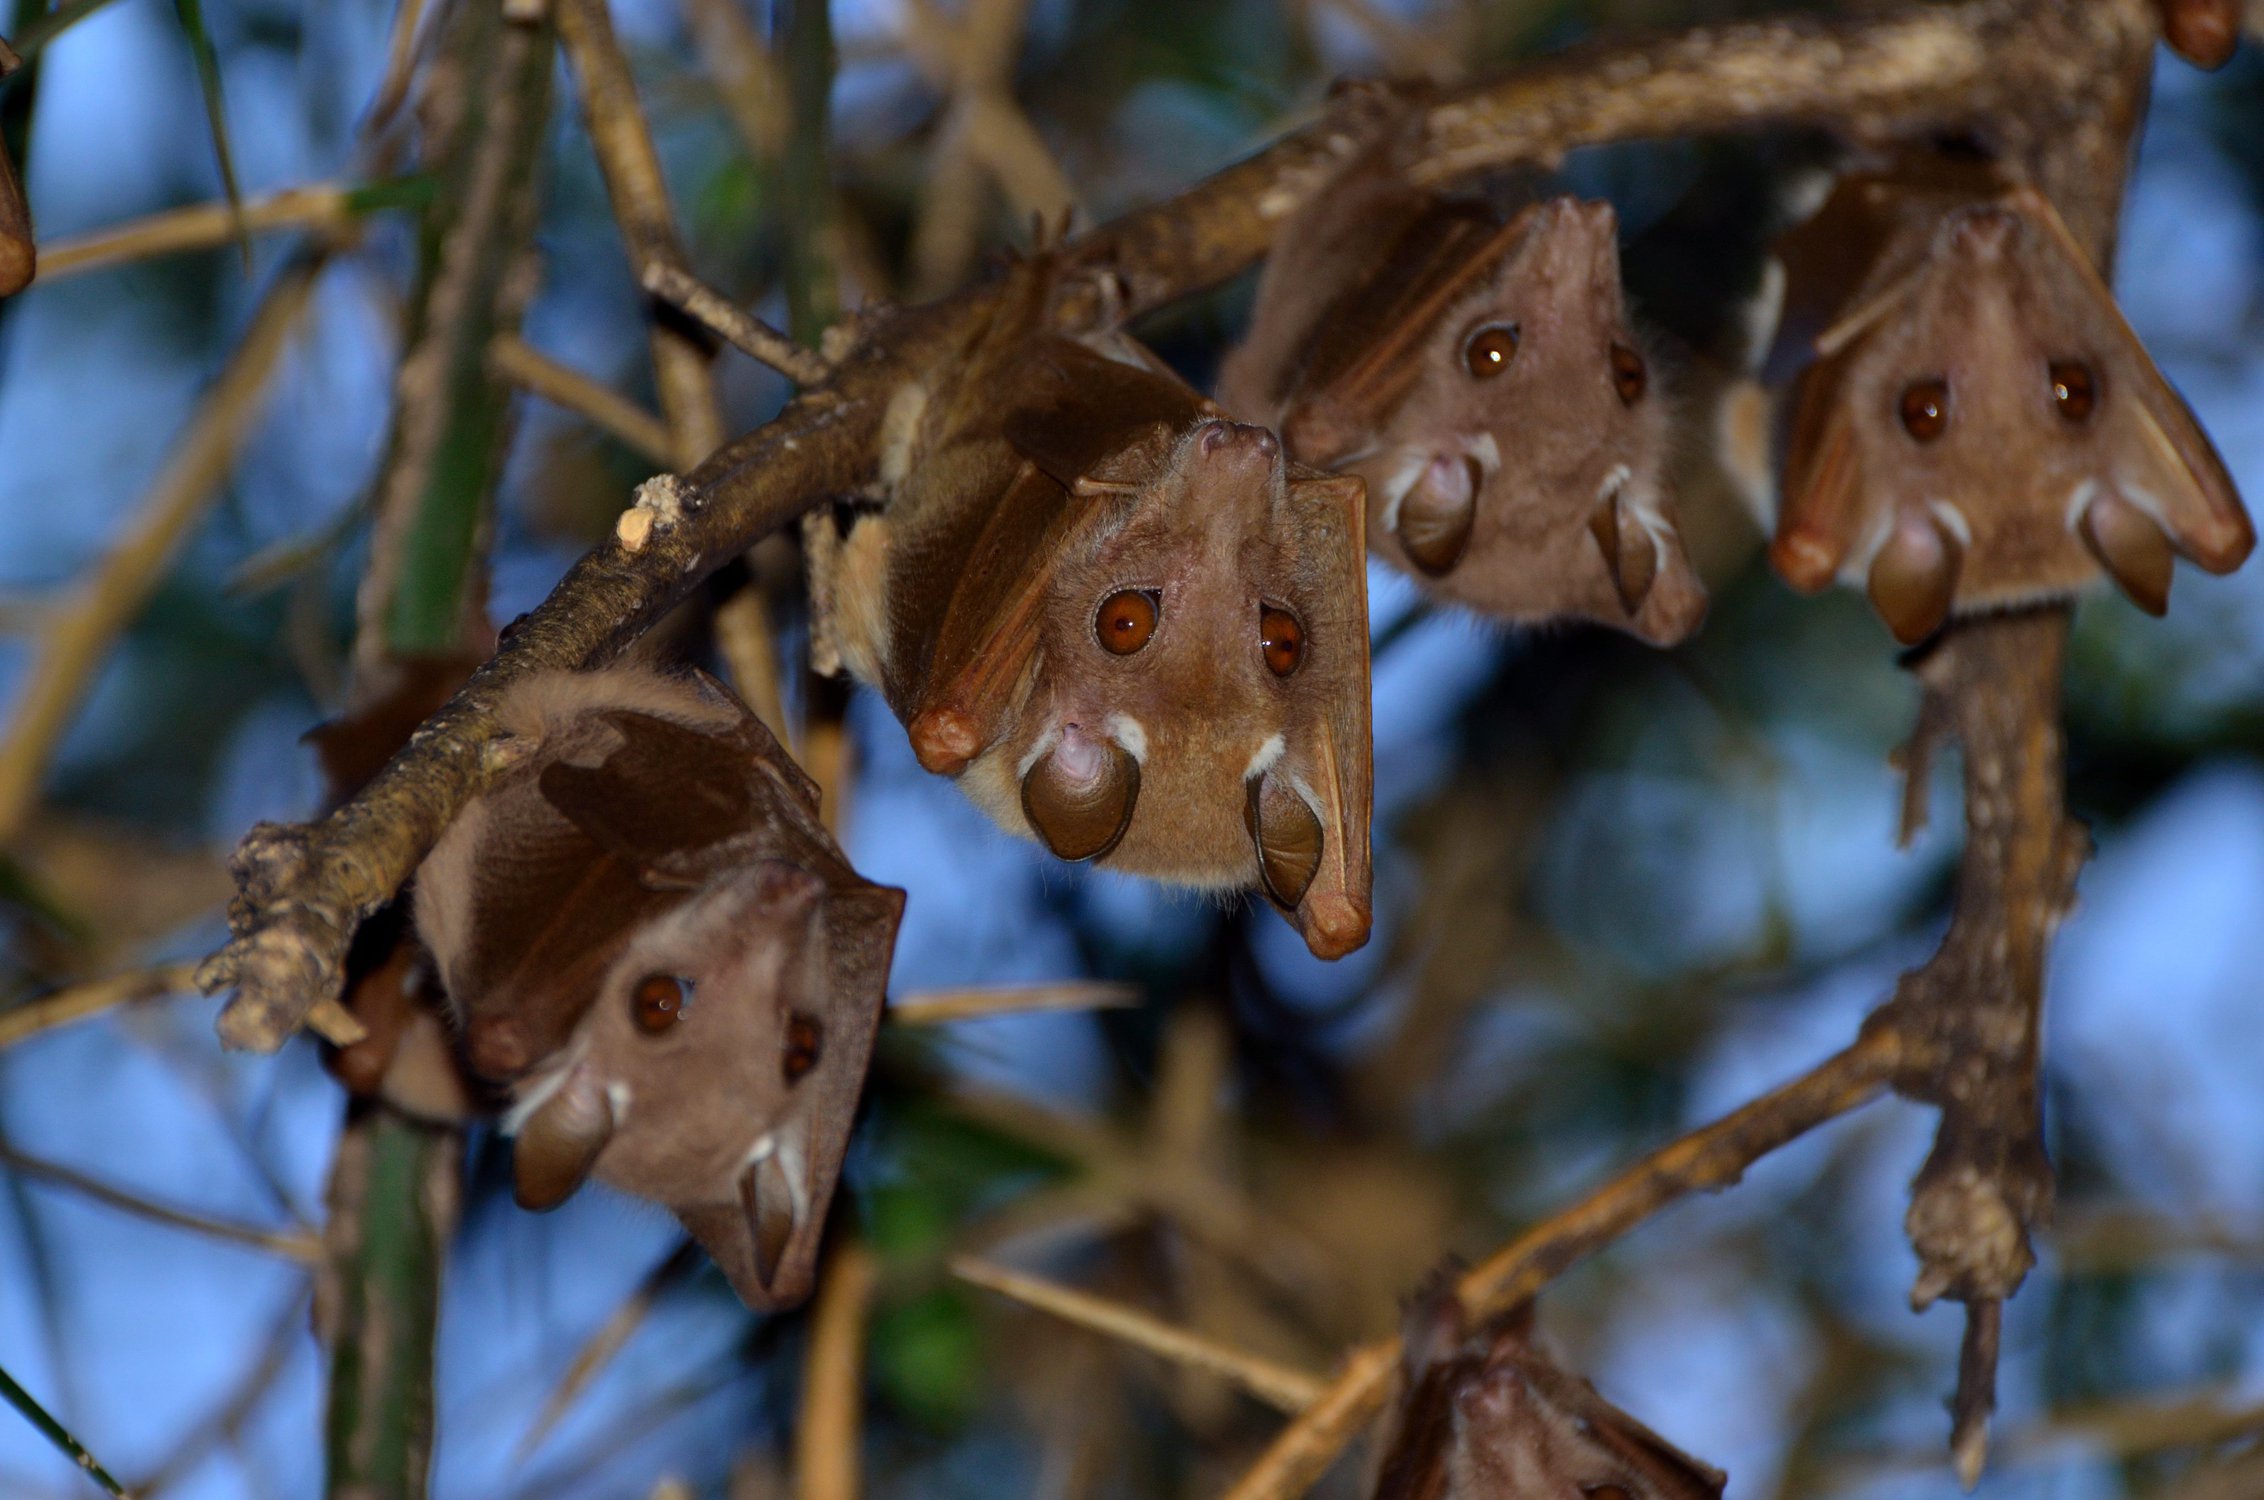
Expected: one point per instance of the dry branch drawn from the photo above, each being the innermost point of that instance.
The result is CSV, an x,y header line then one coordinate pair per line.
x,y
606,409
943,1007
1713,1157
826,1459
295,1247
304,887
1976,1007
741,329
79,1001
1278,1385
322,206
631,168
77,635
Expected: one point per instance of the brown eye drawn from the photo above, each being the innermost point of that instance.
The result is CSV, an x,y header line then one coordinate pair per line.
x,y
1282,639
1126,619
658,1002
1926,409
1630,376
804,1040
1490,350
1607,1492
2074,391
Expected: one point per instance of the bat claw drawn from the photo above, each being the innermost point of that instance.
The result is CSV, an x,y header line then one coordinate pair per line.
x,y
945,740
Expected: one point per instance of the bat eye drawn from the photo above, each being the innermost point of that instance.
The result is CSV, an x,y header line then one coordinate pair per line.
x,y
1126,620
1630,376
2075,391
1490,350
1606,1492
805,1040
1282,639
1926,409
659,1002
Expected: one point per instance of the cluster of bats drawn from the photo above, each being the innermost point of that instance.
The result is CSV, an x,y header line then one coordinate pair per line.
x,y
1130,621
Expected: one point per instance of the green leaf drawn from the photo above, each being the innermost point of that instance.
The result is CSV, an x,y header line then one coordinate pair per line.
x,y
191,13
927,1359
55,1433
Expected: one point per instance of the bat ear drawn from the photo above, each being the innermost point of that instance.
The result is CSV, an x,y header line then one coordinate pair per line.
x,y
2162,452
558,1145
766,1241
1307,813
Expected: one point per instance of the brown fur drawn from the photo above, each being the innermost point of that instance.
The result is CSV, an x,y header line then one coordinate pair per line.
x,y
1041,475
1485,1414
1356,350
1963,279
651,826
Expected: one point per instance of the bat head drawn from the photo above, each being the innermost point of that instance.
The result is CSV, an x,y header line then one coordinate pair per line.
x,y
1488,386
1485,1413
650,941
717,1071
1190,669
1982,428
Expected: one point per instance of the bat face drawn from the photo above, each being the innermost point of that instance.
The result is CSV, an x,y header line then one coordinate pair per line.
x,y
1983,428
649,940
1132,632
1484,1415
1484,380
1197,666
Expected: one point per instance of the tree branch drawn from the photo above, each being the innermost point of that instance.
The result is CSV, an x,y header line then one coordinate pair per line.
x,y
304,887
1705,1160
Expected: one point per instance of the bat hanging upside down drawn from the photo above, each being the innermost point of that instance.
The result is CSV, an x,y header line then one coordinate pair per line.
x,y
1485,1414
648,938
1979,427
1481,374
1125,624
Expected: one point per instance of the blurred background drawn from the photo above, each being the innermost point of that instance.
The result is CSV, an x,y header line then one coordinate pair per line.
x,y
1618,891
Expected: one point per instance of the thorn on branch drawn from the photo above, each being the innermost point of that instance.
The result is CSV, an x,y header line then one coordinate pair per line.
x,y
742,330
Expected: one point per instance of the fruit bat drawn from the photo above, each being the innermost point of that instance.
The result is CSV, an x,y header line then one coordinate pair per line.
x,y
1124,624
647,936
1484,1414
1480,373
1979,426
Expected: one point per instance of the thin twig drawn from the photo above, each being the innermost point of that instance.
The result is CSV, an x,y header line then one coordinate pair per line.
x,y
1279,1386
639,194
608,410
943,1007
826,1463
79,631
303,1248
737,327
1712,1157
235,1413
79,1001
603,1346
324,206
